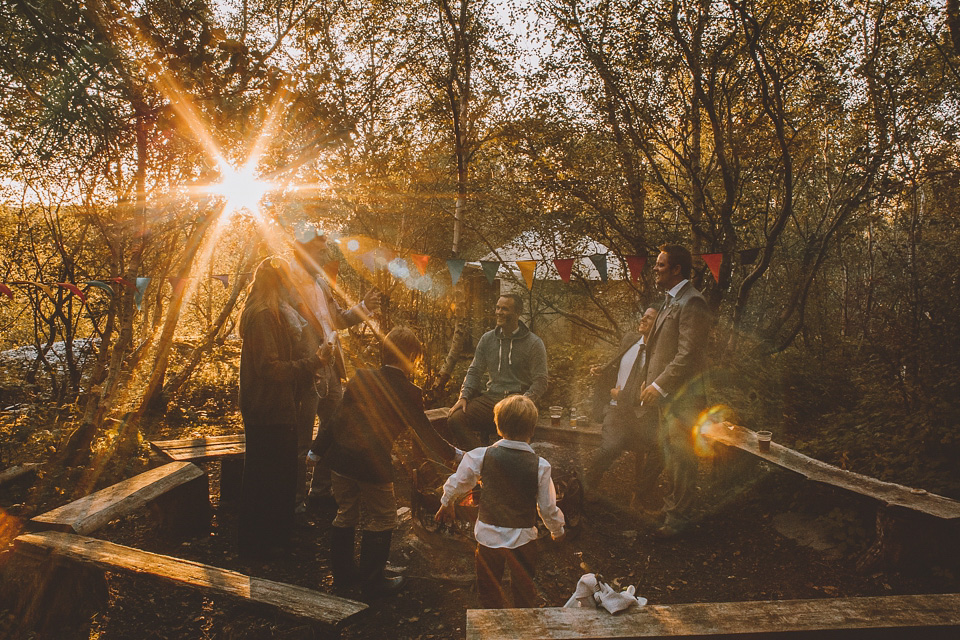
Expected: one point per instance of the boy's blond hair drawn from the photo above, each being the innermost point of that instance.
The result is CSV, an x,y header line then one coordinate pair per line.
x,y
516,418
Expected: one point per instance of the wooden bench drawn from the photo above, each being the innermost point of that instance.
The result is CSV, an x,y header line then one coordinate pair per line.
x,y
228,450
903,511
926,616
53,557
178,491
18,471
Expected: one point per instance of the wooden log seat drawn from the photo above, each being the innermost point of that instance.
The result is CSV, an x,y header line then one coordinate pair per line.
x,y
227,450
56,556
922,616
178,492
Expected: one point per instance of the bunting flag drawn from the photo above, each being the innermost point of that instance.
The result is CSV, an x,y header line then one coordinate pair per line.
x,y
39,285
455,267
490,268
74,289
749,256
635,265
527,267
141,287
599,260
100,284
421,261
6,291
564,268
713,261
176,282
331,269
122,281
224,280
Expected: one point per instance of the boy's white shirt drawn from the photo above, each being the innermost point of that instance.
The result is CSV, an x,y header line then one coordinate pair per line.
x,y
465,479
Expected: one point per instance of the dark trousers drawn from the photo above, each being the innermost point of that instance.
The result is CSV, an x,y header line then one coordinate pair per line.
x,y
268,490
622,433
522,563
472,427
677,421
312,408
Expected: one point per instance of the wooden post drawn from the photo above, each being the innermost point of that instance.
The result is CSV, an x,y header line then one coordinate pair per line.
x,y
185,510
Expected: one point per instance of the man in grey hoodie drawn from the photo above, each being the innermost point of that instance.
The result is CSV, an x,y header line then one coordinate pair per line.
x,y
515,361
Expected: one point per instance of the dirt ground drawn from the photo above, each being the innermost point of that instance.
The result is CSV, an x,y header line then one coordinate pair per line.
x,y
766,535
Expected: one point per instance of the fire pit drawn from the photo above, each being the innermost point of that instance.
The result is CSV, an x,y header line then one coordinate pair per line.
x,y
427,487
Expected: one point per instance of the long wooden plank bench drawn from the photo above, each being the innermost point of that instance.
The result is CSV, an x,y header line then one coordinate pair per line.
x,y
49,553
228,450
926,616
902,513
179,491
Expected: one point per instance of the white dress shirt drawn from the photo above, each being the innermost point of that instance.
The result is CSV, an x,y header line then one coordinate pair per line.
x,y
626,365
465,479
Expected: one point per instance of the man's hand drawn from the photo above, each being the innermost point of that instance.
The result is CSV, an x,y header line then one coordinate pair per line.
x,y
445,514
615,393
372,301
459,405
649,395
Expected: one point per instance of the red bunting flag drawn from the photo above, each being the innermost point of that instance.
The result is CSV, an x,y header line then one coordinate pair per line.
x,y
527,268
72,288
5,290
564,268
713,261
331,269
636,264
421,261
121,281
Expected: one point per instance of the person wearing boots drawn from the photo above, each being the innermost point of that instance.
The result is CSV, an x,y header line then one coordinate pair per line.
x,y
378,405
516,487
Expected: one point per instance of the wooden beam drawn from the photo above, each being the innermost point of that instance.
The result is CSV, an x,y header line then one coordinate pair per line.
x,y
292,599
201,448
97,509
888,493
17,471
934,615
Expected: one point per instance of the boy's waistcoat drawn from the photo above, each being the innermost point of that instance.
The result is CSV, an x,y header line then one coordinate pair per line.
x,y
509,496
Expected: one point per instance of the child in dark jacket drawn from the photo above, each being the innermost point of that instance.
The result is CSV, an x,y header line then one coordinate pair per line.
x,y
516,487
378,405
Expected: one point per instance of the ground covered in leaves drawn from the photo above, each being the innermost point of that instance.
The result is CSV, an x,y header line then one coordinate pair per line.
x,y
763,535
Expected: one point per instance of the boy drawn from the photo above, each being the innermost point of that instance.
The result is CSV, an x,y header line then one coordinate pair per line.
x,y
378,405
516,486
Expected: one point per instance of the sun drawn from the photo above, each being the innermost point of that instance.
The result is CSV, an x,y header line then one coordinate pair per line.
x,y
241,189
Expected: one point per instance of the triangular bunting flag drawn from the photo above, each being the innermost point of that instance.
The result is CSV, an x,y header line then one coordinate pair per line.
x,y
527,267
331,269
490,268
224,280
635,264
455,267
141,287
72,288
421,261
599,260
749,256
6,291
713,261
38,285
100,284
564,268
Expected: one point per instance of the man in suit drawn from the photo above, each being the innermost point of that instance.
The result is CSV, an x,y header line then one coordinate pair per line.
x,y
617,384
378,405
673,380
324,318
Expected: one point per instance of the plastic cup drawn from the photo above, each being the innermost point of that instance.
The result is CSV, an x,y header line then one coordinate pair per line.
x,y
763,441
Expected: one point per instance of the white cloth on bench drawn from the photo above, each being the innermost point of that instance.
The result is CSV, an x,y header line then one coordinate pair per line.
x,y
591,593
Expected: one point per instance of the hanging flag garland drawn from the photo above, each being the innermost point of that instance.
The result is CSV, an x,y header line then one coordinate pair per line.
x,y
224,280
527,267
564,268
490,268
635,265
420,260
100,284
713,260
74,289
599,260
6,291
455,267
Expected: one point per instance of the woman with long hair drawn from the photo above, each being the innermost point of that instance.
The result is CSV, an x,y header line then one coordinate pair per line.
x,y
272,371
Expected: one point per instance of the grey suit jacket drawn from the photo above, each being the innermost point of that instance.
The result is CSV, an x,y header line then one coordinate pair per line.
x,y
677,353
608,378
